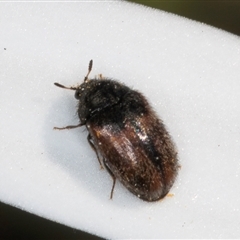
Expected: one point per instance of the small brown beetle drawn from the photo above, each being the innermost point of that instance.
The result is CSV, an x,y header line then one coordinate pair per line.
x,y
132,141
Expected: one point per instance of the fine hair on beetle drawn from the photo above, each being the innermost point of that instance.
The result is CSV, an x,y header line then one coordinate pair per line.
x,y
130,141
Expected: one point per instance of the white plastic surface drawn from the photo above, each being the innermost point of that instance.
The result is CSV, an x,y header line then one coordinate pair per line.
x,y
190,73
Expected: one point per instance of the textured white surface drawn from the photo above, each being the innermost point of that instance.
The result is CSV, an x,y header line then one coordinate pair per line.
x,y
191,74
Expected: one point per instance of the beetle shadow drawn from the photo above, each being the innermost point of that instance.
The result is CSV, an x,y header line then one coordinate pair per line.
x,y
70,150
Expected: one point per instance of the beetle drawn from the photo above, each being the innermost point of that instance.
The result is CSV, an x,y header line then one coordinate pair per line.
x,y
129,139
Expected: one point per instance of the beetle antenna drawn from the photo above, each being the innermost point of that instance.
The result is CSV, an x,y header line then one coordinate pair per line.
x,y
85,79
61,86
89,70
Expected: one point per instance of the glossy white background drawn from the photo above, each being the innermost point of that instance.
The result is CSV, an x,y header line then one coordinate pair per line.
x,y
190,73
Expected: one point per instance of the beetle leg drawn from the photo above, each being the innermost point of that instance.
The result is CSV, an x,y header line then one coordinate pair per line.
x,y
69,127
113,177
89,138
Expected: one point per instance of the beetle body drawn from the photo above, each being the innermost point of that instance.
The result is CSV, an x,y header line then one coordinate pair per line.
x,y
132,141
